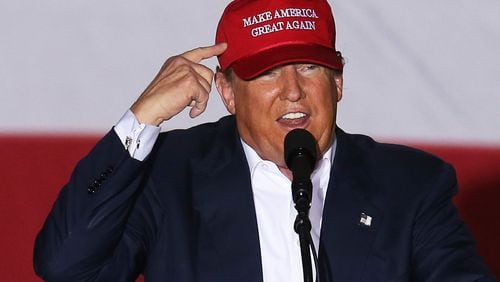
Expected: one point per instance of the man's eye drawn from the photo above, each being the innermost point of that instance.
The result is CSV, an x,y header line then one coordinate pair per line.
x,y
267,74
310,67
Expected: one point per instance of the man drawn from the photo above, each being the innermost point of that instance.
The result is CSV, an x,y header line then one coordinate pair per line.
x,y
213,203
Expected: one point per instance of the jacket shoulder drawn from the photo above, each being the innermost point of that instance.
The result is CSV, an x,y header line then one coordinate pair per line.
x,y
198,138
397,163
395,154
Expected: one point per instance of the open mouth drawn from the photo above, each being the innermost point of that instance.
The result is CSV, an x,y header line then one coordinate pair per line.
x,y
293,119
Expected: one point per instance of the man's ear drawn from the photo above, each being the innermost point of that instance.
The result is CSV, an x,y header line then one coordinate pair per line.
x,y
339,82
226,92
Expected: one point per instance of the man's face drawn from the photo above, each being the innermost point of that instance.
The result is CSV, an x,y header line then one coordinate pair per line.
x,y
287,97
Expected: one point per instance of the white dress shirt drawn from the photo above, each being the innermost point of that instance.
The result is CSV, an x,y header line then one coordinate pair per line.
x,y
274,207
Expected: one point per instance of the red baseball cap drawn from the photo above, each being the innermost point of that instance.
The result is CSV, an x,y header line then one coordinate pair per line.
x,y
263,34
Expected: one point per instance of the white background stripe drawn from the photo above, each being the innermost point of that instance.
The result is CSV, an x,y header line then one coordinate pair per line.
x,y
416,70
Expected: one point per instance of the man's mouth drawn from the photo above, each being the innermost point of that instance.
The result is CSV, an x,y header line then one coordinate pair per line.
x,y
294,119
292,116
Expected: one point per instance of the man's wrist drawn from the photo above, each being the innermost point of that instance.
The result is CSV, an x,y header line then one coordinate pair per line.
x,y
137,138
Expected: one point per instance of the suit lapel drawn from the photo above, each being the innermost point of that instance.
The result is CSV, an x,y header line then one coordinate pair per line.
x,y
228,243
346,239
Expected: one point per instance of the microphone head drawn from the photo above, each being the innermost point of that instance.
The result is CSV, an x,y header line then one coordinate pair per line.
x,y
300,144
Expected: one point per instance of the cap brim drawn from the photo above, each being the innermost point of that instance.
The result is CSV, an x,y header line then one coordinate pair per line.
x,y
252,66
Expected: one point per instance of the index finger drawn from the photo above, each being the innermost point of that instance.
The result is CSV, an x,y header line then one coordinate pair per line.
x,y
200,53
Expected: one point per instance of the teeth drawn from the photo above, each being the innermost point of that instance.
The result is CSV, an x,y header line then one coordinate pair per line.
x,y
293,116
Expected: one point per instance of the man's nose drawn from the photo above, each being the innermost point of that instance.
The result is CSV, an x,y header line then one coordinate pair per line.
x,y
291,87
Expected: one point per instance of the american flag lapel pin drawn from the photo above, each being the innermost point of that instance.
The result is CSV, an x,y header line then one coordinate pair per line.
x,y
365,220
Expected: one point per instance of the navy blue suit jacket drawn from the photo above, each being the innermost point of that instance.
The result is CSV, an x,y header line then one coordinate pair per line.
x,y
187,214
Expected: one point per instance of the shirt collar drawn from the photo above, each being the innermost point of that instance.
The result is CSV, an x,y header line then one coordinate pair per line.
x,y
254,160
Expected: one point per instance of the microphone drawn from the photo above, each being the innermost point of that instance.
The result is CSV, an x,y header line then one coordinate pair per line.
x,y
300,157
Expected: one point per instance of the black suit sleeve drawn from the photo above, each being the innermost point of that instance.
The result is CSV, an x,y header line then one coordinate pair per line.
x,y
443,249
97,221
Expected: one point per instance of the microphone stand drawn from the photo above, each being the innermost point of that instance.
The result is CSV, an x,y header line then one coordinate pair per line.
x,y
301,193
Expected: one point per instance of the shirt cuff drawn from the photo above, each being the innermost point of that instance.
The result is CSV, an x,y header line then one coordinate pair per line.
x,y
137,138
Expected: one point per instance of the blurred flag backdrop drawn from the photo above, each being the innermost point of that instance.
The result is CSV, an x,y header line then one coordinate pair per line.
x,y
423,73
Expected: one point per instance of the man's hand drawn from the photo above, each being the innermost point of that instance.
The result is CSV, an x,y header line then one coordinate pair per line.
x,y
181,82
